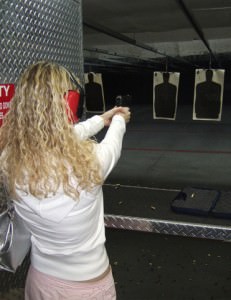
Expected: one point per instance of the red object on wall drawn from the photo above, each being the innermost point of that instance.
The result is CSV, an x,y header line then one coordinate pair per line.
x,y
6,94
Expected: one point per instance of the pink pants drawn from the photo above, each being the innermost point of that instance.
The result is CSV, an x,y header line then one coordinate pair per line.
x,y
40,286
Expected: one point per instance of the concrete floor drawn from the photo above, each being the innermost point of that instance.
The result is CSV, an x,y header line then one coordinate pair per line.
x,y
149,266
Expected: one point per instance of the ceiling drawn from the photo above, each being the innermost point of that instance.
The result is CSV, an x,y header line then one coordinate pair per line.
x,y
150,33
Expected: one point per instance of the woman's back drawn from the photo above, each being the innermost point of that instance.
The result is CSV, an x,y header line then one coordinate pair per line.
x,y
54,173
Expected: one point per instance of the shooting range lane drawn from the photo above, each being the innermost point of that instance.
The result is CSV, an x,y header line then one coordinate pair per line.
x,y
168,156
174,154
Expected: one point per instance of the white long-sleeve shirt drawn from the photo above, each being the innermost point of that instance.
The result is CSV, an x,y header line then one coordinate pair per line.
x,y
68,236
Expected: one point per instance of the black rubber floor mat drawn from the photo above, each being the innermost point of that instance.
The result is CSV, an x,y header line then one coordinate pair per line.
x,y
223,206
195,201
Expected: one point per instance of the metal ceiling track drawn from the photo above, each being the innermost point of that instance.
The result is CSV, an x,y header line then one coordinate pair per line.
x,y
197,28
131,41
114,66
151,63
120,56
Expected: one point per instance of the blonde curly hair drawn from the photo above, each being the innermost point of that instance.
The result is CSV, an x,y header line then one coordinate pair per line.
x,y
39,151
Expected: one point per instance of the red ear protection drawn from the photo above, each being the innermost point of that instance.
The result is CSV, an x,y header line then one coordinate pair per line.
x,y
73,98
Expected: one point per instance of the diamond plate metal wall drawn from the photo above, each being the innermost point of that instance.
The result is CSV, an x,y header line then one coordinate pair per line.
x,y
32,30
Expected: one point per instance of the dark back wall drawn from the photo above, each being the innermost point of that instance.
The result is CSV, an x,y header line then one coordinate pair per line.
x,y
139,84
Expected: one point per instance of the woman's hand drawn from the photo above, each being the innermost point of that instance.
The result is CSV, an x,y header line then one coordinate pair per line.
x,y
108,115
125,113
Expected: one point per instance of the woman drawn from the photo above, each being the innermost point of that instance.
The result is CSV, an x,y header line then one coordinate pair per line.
x,y
54,173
